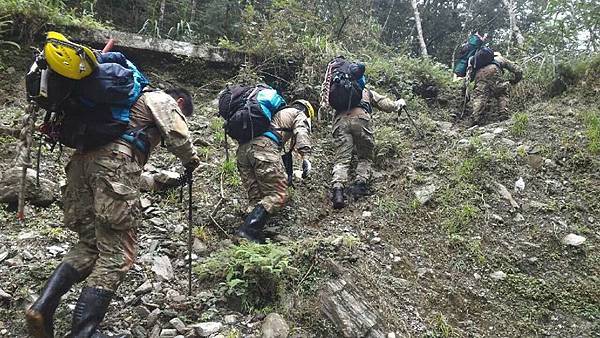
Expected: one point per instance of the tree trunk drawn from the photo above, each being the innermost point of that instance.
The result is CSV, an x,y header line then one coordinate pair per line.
x,y
161,17
515,32
192,11
419,28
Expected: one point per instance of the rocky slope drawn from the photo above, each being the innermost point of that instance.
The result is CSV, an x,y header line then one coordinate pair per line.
x,y
468,232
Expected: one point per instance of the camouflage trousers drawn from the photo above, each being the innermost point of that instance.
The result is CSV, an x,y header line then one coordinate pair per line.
x,y
352,134
484,95
263,176
101,203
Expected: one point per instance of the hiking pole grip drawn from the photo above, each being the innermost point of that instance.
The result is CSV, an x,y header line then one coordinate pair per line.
x,y
109,45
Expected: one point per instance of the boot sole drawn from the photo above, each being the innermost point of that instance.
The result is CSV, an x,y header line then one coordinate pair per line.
x,y
35,324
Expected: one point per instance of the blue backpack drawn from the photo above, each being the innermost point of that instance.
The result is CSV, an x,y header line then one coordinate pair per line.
x,y
473,44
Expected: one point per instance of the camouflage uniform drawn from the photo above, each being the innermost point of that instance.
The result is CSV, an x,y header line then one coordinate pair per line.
x,y
490,85
352,132
259,162
101,198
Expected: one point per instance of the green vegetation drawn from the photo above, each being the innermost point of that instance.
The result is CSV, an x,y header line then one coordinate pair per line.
x,y
40,15
441,327
592,132
520,124
250,271
4,24
230,172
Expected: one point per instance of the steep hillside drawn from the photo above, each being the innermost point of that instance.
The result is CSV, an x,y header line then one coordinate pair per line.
x,y
439,249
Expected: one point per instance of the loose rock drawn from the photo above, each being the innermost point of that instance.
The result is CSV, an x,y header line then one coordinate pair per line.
x,y
498,275
144,288
274,326
163,268
10,185
425,193
178,324
208,328
574,240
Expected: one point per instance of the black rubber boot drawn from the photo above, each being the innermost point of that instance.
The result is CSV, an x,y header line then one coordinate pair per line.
x,y
40,315
252,229
89,312
338,198
359,189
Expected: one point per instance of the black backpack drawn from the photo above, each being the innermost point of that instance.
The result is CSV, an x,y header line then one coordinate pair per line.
x,y
347,84
483,57
248,110
88,113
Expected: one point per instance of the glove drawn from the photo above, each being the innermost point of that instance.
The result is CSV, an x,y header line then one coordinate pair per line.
x,y
192,164
306,168
400,103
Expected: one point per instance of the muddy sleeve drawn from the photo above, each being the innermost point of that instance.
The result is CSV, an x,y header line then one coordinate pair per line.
x,y
302,134
383,103
172,125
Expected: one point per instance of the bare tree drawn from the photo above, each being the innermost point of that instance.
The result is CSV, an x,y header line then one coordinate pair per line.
x,y
192,10
515,32
161,17
419,28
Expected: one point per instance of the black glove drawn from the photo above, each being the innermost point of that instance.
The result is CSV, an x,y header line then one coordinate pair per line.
x,y
192,164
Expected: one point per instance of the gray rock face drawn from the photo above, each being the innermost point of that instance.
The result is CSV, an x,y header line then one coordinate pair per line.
x,y
10,185
274,326
345,308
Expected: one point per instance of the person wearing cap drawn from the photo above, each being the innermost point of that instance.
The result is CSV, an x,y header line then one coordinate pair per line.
x,y
101,198
261,168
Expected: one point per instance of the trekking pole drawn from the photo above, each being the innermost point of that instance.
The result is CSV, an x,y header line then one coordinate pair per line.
x,y
466,98
189,174
226,146
24,156
417,129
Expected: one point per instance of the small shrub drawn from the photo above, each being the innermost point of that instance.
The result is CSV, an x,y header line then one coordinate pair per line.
x,y
441,328
202,233
229,169
250,271
592,132
520,124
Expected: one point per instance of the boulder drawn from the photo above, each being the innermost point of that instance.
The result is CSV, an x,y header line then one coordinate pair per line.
x,y
10,185
274,326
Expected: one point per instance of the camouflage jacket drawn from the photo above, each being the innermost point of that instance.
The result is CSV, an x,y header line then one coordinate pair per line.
x,y
291,123
376,100
493,72
160,116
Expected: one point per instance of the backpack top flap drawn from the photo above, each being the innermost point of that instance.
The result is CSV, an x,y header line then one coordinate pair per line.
x,y
483,57
110,83
270,101
232,99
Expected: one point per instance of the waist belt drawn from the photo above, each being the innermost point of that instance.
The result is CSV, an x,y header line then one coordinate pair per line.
x,y
127,150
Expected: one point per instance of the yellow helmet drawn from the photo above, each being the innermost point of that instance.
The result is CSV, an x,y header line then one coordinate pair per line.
x,y
310,111
68,59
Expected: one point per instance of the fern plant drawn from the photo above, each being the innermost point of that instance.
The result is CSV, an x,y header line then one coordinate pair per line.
x,y
251,272
4,24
